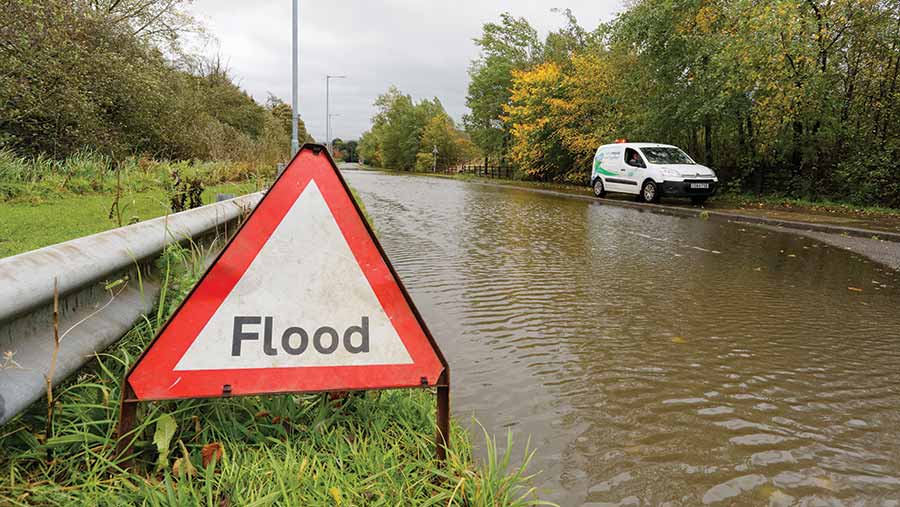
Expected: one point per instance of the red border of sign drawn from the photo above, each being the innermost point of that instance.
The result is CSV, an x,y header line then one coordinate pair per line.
x,y
153,377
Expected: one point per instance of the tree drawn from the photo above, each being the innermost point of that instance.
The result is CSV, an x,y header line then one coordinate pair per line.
x,y
563,43
159,22
403,130
282,113
453,146
398,129
370,149
109,76
794,96
507,46
537,147
350,151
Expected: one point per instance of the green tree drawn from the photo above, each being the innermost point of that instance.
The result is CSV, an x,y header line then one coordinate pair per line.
x,y
512,44
403,130
453,146
282,112
348,150
370,149
563,43
111,76
400,129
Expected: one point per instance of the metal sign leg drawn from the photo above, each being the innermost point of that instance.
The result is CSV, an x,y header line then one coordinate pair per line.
x,y
442,439
127,418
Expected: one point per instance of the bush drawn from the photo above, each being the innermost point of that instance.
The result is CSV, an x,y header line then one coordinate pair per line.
x,y
871,181
424,161
76,76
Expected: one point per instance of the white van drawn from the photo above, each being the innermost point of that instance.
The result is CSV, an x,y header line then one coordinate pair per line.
x,y
650,171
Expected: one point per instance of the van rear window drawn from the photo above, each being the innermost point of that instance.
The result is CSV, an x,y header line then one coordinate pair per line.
x,y
666,156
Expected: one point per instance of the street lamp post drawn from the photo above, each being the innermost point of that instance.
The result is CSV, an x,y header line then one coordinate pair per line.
x,y
328,79
434,154
330,135
295,142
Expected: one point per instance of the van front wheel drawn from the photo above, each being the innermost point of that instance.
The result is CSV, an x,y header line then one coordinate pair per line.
x,y
598,189
649,192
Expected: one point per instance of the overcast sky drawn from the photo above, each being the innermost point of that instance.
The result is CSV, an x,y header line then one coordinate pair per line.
x,y
424,47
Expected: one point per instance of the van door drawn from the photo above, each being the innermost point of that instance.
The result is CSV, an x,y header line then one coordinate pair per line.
x,y
632,170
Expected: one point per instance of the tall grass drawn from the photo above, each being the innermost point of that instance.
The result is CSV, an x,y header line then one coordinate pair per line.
x,y
87,172
372,449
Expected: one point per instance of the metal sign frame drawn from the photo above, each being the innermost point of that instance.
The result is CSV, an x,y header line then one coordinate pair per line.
x,y
129,401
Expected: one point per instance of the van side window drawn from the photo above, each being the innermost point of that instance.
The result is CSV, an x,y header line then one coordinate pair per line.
x,y
633,159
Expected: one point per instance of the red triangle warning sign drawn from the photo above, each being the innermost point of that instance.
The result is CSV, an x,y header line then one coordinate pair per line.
x,y
301,299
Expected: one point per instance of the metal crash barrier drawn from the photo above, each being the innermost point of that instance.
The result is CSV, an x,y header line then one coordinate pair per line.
x,y
91,315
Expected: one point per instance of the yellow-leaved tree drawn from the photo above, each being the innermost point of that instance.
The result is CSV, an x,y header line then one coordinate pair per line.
x,y
536,146
594,110
560,113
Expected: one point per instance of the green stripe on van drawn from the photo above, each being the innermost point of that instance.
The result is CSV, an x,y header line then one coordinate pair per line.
x,y
598,169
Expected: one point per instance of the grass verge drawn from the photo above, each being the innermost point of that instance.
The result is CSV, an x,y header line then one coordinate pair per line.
x,y
45,201
25,225
371,449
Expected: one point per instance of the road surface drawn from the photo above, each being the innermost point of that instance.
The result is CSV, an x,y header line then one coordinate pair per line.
x,y
654,360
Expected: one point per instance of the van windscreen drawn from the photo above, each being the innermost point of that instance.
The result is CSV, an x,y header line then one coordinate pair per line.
x,y
666,156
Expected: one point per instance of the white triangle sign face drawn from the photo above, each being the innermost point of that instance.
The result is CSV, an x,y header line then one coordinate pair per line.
x,y
333,326
301,299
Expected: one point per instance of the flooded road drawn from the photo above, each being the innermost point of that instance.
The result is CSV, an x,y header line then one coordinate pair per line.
x,y
654,360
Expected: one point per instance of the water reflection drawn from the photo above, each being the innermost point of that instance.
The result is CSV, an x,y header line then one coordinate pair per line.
x,y
655,360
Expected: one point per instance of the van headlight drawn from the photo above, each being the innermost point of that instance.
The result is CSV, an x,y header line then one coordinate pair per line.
x,y
668,171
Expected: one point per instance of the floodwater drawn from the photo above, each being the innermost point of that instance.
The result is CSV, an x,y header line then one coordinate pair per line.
x,y
654,360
